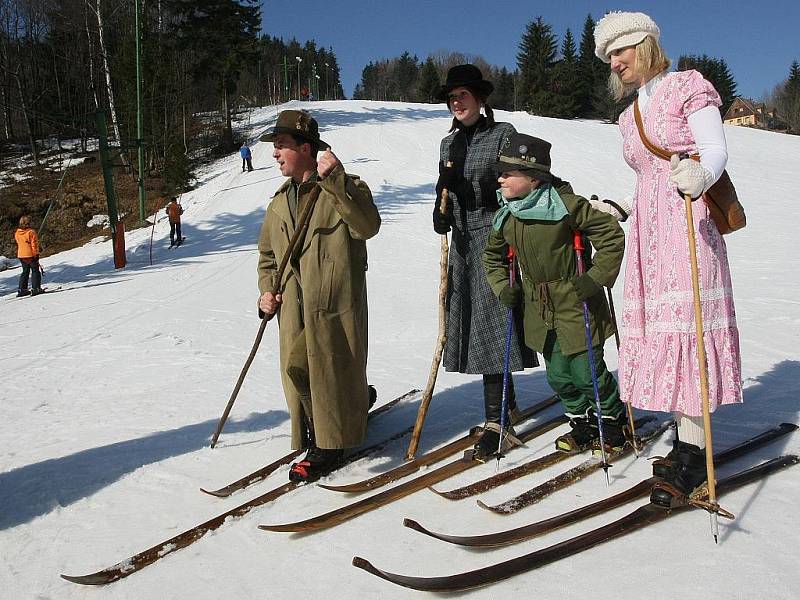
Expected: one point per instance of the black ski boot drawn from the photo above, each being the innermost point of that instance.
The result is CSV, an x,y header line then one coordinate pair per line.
x,y
21,293
317,463
583,434
616,434
487,446
688,471
664,466
492,403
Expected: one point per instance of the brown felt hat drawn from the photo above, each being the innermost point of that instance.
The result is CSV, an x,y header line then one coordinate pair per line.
x,y
299,123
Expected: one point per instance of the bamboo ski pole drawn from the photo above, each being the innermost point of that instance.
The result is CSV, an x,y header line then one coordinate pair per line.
x,y
305,217
440,340
628,407
703,366
577,240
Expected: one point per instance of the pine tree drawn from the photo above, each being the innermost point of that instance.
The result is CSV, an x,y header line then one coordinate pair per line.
x,y
405,76
220,36
428,82
788,99
592,74
565,80
716,71
503,95
535,59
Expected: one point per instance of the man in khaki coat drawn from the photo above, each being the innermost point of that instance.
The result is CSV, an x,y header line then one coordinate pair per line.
x,y
322,309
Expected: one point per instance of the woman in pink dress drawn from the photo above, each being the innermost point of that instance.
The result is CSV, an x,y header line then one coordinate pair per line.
x,y
658,367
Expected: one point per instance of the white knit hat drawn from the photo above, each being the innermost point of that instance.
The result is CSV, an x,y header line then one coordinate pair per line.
x,y
620,29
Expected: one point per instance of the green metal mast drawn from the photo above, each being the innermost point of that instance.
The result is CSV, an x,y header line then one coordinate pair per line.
x,y
139,133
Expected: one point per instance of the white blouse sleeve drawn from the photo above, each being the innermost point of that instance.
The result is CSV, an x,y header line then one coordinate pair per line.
x,y
706,127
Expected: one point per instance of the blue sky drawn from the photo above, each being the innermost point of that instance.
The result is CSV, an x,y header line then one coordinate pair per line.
x,y
758,40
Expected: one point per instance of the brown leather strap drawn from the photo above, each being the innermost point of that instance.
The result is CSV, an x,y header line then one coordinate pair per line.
x,y
660,152
637,116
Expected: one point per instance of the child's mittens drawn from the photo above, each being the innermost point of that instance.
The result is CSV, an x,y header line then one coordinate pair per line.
x,y
585,286
511,296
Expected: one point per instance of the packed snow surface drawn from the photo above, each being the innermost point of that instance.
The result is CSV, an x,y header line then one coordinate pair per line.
x,y
113,384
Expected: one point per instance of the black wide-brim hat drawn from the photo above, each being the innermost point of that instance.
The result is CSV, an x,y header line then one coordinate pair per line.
x,y
299,123
468,76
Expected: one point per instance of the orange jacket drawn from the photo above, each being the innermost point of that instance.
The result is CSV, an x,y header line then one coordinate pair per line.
x,y
174,210
27,243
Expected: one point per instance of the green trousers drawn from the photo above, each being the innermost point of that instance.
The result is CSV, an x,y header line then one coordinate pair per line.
x,y
571,378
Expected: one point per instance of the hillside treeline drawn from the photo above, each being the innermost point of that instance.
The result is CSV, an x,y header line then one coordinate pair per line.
x,y
553,78
201,61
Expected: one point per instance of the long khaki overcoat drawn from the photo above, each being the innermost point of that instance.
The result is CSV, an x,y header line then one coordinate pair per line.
x,y
323,316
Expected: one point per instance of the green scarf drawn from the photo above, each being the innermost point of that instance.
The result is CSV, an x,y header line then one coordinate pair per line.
x,y
542,204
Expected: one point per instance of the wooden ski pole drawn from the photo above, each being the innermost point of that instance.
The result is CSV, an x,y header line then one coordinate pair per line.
x,y
302,225
628,407
440,340
701,359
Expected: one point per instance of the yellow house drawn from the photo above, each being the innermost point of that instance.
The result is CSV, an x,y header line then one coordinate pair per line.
x,y
747,113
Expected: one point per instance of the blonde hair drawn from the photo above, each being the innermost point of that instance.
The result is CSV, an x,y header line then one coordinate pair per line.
x,y
24,221
650,60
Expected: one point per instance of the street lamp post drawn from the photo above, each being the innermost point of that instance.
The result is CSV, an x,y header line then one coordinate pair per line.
x,y
327,93
299,60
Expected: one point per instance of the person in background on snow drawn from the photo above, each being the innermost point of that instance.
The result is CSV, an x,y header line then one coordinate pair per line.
x,y
322,309
174,212
28,254
658,366
475,320
537,217
247,157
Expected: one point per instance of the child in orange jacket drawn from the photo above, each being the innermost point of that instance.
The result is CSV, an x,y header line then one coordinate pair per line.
x,y
174,212
28,254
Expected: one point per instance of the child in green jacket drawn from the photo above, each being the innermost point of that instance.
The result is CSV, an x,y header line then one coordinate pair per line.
x,y
537,217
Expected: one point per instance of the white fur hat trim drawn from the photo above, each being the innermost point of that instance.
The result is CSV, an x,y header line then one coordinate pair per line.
x,y
621,29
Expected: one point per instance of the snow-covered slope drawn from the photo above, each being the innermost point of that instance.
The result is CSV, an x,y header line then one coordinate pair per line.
x,y
113,384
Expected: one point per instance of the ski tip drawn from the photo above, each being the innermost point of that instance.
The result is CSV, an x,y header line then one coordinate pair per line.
x,y
215,493
412,524
93,579
363,563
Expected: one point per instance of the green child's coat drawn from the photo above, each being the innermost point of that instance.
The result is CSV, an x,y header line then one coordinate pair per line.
x,y
548,262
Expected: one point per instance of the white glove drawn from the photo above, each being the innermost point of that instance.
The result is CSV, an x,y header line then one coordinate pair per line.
x,y
619,209
689,176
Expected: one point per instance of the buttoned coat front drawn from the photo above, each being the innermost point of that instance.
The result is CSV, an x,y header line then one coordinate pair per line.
x,y
323,315
548,262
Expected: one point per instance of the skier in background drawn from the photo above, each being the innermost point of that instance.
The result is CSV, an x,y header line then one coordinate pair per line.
x,y
174,212
247,157
28,254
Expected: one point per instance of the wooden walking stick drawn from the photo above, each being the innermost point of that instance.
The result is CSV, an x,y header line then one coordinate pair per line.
x,y
302,225
627,404
713,506
440,340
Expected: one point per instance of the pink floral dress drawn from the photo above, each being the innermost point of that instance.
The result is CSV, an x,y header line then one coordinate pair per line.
x,y
658,367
